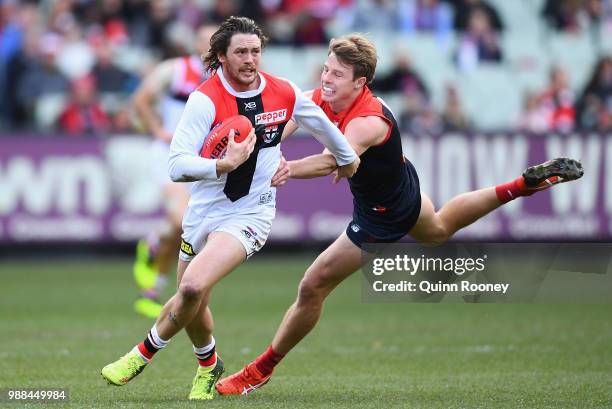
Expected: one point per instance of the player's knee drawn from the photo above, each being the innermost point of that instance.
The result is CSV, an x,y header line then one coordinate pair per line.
x,y
440,235
190,292
436,235
310,292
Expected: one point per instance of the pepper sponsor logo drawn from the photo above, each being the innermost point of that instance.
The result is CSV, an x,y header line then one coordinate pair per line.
x,y
268,118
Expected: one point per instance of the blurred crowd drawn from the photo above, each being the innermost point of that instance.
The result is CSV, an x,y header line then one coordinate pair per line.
x,y
72,65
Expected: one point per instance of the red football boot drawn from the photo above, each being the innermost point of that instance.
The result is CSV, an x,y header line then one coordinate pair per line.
x,y
243,382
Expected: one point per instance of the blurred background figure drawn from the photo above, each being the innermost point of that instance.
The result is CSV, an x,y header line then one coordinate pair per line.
x,y
40,89
402,78
465,9
535,116
594,109
557,101
565,15
478,43
454,118
83,116
159,103
429,17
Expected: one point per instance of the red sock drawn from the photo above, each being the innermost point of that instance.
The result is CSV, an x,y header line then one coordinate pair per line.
x,y
266,362
208,362
511,190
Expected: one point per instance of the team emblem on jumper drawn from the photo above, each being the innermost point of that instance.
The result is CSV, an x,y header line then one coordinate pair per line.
x,y
266,198
270,133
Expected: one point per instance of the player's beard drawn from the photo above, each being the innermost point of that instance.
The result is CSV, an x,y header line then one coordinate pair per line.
x,y
240,77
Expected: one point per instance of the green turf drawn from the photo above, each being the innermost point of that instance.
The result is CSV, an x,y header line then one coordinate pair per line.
x,y
61,322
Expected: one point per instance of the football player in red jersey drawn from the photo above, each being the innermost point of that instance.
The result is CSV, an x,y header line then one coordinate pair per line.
x,y
388,200
232,202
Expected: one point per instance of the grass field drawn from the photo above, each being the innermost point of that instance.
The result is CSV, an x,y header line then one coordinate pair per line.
x,y
62,321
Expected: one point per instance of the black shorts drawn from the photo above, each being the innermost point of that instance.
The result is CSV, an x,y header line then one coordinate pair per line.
x,y
367,229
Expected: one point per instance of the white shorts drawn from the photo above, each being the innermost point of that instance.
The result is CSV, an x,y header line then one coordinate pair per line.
x,y
251,229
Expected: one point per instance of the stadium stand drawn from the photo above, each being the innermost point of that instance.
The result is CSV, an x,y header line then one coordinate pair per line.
x,y
532,40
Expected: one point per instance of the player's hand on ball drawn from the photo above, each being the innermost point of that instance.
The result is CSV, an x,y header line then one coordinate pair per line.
x,y
283,173
347,171
237,153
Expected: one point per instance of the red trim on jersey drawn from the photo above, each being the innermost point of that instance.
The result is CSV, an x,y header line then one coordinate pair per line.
x,y
277,95
188,75
366,104
192,75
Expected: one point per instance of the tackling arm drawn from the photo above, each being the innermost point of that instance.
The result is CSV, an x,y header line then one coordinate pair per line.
x,y
361,133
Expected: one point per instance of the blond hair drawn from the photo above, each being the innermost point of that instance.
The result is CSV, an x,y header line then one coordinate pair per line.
x,y
358,52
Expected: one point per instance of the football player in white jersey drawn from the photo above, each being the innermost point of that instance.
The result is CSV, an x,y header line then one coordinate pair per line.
x,y
159,102
232,203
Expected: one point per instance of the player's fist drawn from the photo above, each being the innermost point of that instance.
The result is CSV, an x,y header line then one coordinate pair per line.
x,y
237,153
283,173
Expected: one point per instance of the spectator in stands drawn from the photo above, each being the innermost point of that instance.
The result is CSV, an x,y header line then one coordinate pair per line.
x,y
535,117
109,77
479,43
402,78
160,16
464,9
430,16
121,121
33,75
15,18
418,116
564,15
556,103
75,57
453,117
376,16
595,105
83,115
221,10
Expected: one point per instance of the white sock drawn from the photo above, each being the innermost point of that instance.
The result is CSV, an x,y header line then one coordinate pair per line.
x,y
156,339
205,352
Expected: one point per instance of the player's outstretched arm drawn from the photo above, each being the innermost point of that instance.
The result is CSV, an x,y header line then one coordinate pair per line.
x,y
312,166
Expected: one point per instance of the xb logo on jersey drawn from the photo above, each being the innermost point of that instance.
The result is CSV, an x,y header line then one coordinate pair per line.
x,y
249,106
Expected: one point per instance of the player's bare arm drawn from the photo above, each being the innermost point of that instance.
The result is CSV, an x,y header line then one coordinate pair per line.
x,y
282,174
361,133
148,94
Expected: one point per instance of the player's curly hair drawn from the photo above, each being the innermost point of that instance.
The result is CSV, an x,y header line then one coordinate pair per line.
x,y
358,52
220,40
